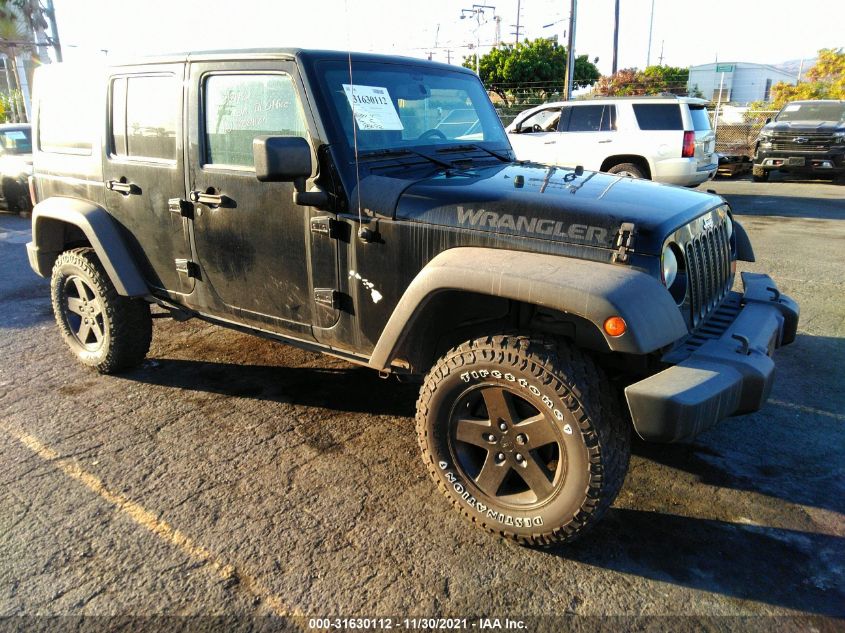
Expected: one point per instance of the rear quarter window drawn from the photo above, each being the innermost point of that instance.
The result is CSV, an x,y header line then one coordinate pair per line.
x,y
658,116
700,118
66,120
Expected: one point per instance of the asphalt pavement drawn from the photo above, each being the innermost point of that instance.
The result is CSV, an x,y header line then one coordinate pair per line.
x,y
235,476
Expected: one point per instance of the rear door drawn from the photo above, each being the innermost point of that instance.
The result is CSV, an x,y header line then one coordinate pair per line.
x,y
587,135
143,170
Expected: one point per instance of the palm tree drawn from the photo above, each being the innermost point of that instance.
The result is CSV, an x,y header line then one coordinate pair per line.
x,y
13,38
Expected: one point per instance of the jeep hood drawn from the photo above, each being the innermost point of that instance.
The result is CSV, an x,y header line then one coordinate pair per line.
x,y
551,203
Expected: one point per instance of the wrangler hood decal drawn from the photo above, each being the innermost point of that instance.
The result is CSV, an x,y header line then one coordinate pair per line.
x,y
553,203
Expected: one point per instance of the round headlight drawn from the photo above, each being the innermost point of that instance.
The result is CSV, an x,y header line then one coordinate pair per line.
x,y
729,226
670,266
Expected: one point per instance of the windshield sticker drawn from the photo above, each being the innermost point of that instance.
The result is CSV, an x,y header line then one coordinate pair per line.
x,y
373,108
792,108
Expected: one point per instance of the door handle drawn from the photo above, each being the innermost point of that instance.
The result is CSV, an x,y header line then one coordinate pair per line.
x,y
549,142
610,140
210,199
121,186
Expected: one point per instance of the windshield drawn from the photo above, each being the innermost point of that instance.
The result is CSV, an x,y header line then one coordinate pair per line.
x,y
17,141
812,112
400,107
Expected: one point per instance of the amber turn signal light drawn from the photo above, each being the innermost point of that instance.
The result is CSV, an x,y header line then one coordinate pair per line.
x,y
615,326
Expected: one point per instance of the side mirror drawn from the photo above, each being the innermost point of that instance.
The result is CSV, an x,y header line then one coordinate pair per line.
x,y
281,158
287,159
768,120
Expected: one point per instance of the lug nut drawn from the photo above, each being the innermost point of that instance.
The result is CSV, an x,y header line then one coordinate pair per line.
x,y
500,457
519,458
521,438
503,426
490,437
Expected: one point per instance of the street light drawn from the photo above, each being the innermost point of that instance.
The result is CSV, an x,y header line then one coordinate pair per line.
x,y
477,11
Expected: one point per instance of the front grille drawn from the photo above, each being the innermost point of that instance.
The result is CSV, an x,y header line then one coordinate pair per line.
x,y
812,142
708,260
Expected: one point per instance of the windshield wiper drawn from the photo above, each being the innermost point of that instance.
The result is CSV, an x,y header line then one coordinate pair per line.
x,y
405,151
463,148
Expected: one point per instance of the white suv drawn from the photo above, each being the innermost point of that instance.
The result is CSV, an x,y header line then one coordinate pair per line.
x,y
667,139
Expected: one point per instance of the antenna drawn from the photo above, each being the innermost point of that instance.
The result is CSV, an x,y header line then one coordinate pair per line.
x,y
354,124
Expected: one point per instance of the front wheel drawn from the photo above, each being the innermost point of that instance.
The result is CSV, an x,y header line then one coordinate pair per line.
x,y
102,328
758,174
524,437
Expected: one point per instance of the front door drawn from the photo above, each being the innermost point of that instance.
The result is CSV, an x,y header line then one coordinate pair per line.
x,y
253,243
144,170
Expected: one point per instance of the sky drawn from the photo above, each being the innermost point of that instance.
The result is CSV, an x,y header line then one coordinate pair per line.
x,y
688,31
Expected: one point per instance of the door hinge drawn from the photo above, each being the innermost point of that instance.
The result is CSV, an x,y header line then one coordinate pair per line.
x,y
327,297
325,226
181,207
624,243
188,268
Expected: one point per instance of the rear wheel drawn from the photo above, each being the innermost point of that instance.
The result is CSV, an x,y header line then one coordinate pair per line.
x,y
627,169
102,328
523,436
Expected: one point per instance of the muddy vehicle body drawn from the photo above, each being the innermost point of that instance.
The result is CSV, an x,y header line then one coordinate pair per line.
x,y
311,197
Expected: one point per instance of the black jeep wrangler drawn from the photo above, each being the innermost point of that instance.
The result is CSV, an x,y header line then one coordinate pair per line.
x,y
318,199
806,137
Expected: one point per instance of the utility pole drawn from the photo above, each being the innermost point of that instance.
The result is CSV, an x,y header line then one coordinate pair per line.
x,y
518,11
660,59
54,30
569,78
477,11
650,29
615,34
448,55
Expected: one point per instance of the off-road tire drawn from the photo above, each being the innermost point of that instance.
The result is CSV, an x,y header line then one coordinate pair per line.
x,y
124,324
758,174
561,382
628,169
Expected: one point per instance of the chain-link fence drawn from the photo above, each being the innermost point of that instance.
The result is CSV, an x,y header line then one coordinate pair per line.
x,y
737,129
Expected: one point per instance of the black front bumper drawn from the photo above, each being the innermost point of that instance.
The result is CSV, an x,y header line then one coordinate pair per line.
x,y
723,369
832,161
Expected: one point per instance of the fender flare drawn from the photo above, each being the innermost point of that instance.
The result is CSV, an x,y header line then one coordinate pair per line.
x,y
744,250
101,231
589,289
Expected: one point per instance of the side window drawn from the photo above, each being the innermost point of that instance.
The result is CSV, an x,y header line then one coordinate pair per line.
x,y
658,116
66,124
240,107
545,120
144,110
592,118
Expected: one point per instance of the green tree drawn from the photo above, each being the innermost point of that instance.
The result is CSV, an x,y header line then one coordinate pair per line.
x,y
653,80
530,70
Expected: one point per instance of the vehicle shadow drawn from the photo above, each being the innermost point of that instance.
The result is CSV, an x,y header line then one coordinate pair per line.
x,y
25,297
767,203
788,450
783,568
349,389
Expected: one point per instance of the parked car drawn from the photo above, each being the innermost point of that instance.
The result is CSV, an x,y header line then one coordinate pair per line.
x,y
15,165
268,192
806,137
666,139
